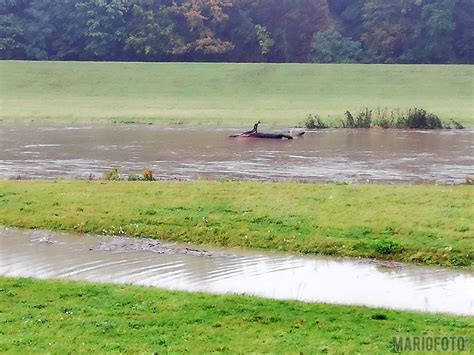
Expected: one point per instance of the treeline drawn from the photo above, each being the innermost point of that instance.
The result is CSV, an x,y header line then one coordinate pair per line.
x,y
326,31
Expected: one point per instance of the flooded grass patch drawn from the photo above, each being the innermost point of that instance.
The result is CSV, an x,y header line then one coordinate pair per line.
x,y
60,317
427,224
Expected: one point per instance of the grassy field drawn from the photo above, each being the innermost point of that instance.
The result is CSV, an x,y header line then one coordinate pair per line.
x,y
226,94
63,317
427,224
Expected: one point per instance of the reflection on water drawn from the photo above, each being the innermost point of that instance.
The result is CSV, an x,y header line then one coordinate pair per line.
x,y
340,281
334,155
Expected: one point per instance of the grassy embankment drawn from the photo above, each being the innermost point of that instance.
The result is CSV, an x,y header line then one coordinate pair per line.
x,y
60,317
426,223
227,94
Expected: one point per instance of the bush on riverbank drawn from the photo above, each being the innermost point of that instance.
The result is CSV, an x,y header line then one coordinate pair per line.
x,y
413,118
146,175
112,175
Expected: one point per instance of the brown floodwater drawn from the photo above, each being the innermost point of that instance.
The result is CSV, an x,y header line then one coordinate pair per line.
x,y
104,259
55,151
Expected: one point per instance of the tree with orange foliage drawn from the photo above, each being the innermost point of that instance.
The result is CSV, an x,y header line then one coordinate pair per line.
x,y
201,17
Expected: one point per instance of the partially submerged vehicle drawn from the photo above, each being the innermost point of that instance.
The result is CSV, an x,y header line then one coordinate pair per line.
x,y
255,134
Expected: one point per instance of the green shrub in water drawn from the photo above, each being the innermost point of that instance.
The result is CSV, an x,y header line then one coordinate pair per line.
x,y
349,121
315,122
362,120
456,124
422,119
414,118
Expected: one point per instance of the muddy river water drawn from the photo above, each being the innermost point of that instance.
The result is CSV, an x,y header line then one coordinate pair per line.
x,y
54,151
148,262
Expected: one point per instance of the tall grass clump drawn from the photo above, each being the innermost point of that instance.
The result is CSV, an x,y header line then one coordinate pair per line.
x,y
385,119
315,122
362,120
456,124
112,175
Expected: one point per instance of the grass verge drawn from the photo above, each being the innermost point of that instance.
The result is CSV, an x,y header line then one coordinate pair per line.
x,y
62,317
426,224
227,94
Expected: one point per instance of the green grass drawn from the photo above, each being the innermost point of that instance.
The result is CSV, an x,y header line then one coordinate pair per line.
x,y
227,94
428,224
63,317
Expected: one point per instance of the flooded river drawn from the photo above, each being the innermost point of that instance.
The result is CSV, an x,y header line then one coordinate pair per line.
x,y
147,262
34,151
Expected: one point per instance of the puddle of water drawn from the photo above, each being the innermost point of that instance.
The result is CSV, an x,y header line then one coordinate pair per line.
x,y
33,151
42,254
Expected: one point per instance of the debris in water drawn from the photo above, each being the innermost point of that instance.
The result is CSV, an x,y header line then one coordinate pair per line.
x,y
144,244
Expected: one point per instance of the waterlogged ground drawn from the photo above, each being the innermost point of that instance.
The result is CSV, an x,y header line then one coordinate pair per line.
x,y
43,254
38,151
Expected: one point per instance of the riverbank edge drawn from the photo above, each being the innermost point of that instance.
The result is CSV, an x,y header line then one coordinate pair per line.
x,y
421,224
333,122
58,316
126,243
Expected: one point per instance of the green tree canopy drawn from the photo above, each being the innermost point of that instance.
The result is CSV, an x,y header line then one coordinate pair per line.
x,y
331,47
387,31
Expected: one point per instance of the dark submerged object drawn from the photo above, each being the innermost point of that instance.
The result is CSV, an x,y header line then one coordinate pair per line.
x,y
270,135
254,134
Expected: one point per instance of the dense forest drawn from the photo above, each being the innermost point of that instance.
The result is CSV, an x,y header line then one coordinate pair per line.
x,y
323,31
